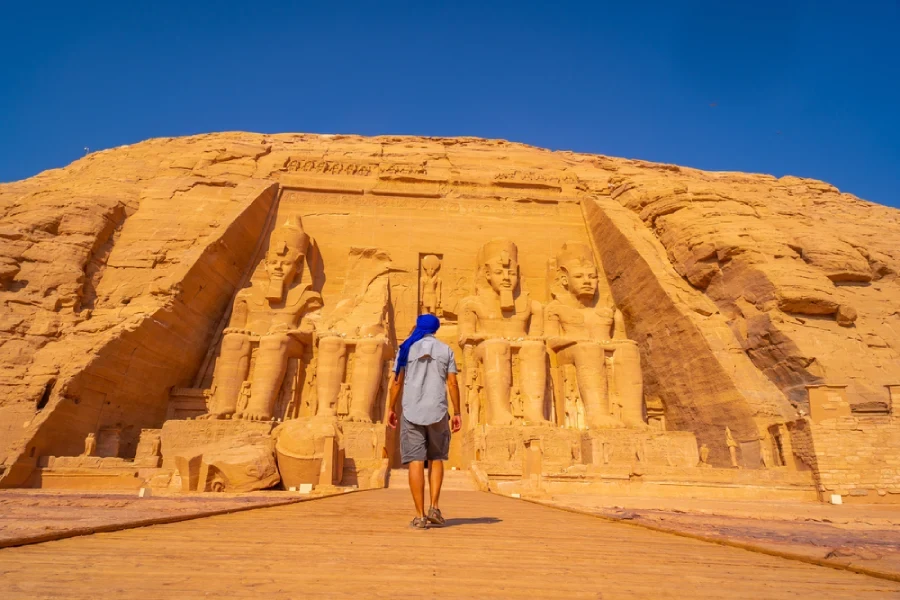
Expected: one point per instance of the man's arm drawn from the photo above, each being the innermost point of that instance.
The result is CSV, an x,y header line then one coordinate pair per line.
x,y
393,395
453,388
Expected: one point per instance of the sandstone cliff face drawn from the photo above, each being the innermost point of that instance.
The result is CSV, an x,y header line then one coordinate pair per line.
x,y
740,289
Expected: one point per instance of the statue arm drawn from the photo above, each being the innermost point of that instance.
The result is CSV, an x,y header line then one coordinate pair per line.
x,y
553,330
239,313
536,325
308,316
551,323
619,332
468,322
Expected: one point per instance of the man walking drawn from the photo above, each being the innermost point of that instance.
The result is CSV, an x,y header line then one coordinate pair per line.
x,y
424,371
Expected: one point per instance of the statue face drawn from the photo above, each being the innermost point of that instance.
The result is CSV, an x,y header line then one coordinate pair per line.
x,y
502,278
430,270
581,280
283,263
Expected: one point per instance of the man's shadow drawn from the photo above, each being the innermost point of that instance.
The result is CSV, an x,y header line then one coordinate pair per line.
x,y
471,521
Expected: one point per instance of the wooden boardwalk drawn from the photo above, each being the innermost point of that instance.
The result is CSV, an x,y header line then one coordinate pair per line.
x,y
358,546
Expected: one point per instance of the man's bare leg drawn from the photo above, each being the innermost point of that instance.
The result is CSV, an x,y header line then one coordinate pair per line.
x,y
417,485
435,480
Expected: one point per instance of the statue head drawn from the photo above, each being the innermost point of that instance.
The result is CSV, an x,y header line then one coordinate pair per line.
x,y
431,264
577,271
284,258
498,267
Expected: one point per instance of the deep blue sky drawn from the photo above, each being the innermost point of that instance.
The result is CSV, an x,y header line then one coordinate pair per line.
x,y
782,87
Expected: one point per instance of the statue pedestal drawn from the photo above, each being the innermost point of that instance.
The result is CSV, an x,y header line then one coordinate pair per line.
x,y
367,447
501,449
178,436
508,452
630,446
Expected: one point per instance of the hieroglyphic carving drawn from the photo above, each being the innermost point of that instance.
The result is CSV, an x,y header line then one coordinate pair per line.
x,y
403,169
326,167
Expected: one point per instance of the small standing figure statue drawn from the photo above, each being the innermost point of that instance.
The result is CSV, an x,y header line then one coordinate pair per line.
x,y
243,398
732,447
704,457
430,286
90,445
156,447
765,449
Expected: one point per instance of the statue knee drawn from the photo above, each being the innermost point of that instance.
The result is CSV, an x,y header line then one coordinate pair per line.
x,y
275,342
234,342
532,350
331,345
370,345
495,348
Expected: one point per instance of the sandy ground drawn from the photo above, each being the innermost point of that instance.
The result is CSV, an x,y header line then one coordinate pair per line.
x,y
359,546
34,515
865,536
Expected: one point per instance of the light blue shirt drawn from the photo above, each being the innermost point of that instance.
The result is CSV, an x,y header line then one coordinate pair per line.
x,y
425,382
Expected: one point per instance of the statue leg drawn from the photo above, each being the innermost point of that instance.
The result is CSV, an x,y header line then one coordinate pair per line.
x,y
268,375
330,374
366,378
590,371
628,384
495,359
533,380
231,371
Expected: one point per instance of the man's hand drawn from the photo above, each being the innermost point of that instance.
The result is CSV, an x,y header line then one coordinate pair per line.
x,y
455,423
392,419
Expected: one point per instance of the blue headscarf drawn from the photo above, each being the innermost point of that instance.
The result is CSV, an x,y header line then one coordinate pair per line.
x,y
425,325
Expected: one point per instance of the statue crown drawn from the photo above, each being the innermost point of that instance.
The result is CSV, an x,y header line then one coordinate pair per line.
x,y
504,250
290,235
574,252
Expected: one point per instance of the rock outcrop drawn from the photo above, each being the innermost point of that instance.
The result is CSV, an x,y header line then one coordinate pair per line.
x,y
118,272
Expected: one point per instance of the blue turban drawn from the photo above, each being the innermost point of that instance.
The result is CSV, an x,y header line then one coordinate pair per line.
x,y
425,325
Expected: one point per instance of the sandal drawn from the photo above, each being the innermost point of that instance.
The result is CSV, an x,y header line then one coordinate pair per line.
x,y
419,523
435,517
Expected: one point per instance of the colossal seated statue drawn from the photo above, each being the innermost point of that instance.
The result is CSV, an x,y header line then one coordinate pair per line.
x,y
276,315
498,326
588,334
356,331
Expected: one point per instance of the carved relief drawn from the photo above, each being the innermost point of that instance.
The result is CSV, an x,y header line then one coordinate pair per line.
x,y
430,285
326,167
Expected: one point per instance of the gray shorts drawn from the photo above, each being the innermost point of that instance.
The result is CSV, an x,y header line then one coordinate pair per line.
x,y
424,442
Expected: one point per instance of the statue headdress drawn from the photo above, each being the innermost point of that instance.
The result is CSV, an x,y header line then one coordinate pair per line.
x,y
289,235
